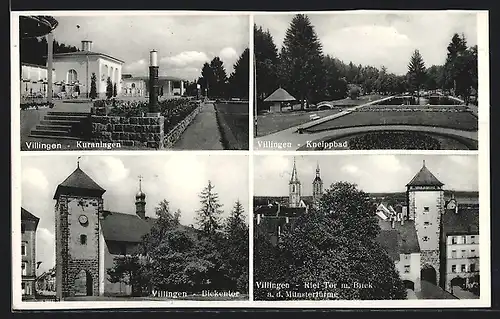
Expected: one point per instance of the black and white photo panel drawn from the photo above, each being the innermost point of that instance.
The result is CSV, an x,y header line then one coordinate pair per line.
x,y
132,228
132,81
368,227
363,80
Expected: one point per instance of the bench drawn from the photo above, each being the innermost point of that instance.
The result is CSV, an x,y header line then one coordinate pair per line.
x,y
313,117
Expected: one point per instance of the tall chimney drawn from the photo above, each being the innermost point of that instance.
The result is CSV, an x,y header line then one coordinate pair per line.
x,y
393,222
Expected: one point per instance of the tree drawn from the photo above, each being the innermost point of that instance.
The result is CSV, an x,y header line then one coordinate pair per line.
x,y
354,92
93,88
219,79
115,93
209,215
128,270
266,63
238,81
416,72
109,88
301,61
235,251
337,242
208,79
335,86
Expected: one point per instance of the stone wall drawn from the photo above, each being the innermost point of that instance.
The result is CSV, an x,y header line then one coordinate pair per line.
x,y
173,136
132,131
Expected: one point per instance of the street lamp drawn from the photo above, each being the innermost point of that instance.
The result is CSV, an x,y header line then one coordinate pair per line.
x,y
154,110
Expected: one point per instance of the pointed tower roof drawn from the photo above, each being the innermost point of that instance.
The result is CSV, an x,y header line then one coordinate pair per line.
x,y
140,194
79,184
318,175
295,177
424,178
280,95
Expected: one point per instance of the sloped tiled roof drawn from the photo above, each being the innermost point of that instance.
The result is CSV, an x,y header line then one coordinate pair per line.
x,y
280,95
130,228
466,221
25,215
402,239
79,183
124,227
283,200
283,211
424,178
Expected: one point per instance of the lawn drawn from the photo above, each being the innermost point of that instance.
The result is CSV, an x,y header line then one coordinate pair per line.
x,y
275,122
232,119
454,120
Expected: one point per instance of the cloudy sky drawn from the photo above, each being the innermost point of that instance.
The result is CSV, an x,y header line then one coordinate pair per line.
x,y
372,173
177,178
183,43
382,39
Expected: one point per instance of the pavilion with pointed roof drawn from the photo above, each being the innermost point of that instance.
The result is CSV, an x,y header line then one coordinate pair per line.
x,y
278,97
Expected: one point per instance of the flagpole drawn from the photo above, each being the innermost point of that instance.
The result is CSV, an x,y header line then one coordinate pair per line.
x,y
255,94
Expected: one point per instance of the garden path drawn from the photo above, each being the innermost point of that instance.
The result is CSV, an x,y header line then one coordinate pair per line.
x,y
203,133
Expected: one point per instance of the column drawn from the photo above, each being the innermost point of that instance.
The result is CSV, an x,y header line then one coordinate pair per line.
x,y
153,84
50,51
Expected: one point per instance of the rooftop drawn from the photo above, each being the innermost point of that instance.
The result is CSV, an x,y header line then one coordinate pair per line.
x,y
25,215
424,178
280,95
465,221
78,183
87,53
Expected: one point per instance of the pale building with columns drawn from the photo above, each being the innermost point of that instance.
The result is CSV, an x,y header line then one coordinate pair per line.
x,y
76,68
34,80
139,86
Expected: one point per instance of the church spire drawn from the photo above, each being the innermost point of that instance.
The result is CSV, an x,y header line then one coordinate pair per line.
x,y
294,188
317,184
317,169
140,201
294,178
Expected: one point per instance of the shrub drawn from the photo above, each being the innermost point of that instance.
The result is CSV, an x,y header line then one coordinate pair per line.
x,y
109,88
354,92
35,105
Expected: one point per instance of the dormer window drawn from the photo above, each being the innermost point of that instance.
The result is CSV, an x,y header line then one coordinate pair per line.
x,y
83,239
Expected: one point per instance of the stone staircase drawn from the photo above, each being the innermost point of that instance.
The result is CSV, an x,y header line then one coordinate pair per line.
x,y
64,125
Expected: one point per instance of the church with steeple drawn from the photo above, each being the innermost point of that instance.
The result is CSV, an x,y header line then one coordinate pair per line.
x,y
88,238
431,234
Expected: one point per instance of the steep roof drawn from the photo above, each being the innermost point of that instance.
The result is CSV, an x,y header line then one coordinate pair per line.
x,y
281,211
465,221
424,178
25,215
280,95
124,227
402,239
87,53
79,183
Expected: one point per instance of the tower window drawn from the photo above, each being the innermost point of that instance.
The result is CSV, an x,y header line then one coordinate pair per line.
x,y
453,254
426,223
83,239
407,269
425,238
23,249
426,209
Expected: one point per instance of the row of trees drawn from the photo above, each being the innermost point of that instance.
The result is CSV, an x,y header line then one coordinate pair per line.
x,y
34,50
306,72
214,255
216,84
334,242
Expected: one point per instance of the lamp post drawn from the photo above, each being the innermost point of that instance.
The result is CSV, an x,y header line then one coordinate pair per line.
x,y
154,110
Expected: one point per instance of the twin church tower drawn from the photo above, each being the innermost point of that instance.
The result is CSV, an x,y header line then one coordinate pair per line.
x,y
295,187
